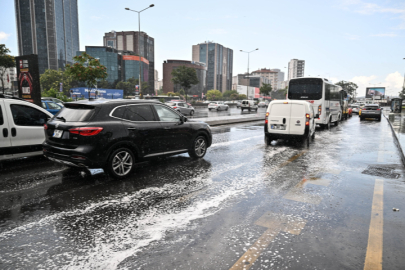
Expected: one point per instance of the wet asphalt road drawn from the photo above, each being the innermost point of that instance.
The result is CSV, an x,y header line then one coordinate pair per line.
x,y
205,113
244,206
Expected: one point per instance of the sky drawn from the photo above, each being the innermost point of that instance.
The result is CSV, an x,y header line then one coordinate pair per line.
x,y
361,41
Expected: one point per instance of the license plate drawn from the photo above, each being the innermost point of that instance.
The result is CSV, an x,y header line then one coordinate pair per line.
x,y
57,133
279,127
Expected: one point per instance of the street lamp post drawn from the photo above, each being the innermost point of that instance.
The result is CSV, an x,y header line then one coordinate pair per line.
x,y
139,43
247,85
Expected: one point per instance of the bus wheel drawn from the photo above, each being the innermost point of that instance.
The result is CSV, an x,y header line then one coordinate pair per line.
x,y
336,123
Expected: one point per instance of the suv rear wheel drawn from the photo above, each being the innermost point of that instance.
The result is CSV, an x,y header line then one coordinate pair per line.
x,y
199,147
121,163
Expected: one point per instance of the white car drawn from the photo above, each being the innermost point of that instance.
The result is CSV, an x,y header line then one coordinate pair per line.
x,y
355,108
22,124
262,104
249,105
217,105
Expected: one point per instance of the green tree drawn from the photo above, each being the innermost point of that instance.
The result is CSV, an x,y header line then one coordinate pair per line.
x,y
87,69
185,77
402,93
56,94
127,87
234,96
350,87
229,93
6,61
242,97
265,89
53,78
104,84
214,95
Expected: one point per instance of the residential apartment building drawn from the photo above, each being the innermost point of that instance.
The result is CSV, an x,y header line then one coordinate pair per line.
x,y
10,82
251,80
273,75
127,41
200,68
49,29
296,69
219,63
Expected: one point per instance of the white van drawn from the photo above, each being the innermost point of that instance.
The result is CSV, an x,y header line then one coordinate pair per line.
x,y
249,105
289,119
22,124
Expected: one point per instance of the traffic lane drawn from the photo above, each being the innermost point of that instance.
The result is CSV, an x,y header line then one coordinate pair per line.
x,y
163,218
326,191
205,113
78,208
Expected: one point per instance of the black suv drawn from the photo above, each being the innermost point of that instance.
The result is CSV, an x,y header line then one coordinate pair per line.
x,y
114,134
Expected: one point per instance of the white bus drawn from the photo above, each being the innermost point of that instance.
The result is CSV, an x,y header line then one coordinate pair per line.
x,y
325,97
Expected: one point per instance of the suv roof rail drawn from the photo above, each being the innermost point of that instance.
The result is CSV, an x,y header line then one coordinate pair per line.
x,y
12,97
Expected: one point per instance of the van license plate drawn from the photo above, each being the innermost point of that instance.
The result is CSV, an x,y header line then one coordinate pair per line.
x,y
57,133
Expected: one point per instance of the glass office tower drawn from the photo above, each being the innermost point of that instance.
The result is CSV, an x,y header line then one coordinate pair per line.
x,y
48,28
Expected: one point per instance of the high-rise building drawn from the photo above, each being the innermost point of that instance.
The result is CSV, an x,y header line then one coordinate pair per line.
x,y
169,86
128,41
219,62
120,66
49,29
296,68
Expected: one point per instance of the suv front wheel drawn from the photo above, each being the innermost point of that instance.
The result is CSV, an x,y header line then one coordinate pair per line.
x,y
199,147
121,163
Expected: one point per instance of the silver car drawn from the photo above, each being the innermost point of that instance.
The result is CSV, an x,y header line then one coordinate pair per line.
x,y
182,107
217,105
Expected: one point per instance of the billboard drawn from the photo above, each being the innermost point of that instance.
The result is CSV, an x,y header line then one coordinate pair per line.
x,y
28,78
376,92
83,92
254,92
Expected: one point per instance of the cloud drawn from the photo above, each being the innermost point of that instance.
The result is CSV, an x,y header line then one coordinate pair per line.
x,y
363,7
385,35
393,83
363,82
3,36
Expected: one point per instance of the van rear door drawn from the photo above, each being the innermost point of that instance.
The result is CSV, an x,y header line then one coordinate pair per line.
x,y
279,116
297,119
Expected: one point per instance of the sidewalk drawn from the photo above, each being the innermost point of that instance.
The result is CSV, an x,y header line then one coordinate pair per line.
x,y
397,123
233,119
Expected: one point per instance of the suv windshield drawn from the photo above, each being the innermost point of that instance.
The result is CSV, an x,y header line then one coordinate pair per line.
x,y
75,114
305,89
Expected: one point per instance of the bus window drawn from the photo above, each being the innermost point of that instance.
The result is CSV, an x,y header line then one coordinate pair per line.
x,y
305,89
327,91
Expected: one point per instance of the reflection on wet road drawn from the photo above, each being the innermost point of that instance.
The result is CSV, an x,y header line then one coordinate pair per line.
x,y
244,206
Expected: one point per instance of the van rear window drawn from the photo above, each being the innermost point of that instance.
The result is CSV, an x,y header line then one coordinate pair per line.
x,y
76,114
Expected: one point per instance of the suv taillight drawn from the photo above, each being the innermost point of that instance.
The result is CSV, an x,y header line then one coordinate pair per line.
x,y
266,121
45,126
86,131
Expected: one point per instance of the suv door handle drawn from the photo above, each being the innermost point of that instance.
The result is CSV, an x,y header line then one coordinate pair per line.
x,y
13,132
5,132
132,128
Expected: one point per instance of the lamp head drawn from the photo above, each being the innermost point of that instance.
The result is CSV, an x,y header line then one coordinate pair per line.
x,y
152,5
126,8
257,49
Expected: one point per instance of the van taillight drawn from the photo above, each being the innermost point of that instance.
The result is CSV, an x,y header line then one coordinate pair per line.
x,y
307,119
86,131
266,118
45,126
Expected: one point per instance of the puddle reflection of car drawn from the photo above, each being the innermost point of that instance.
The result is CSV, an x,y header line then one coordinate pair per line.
x,y
370,111
182,107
